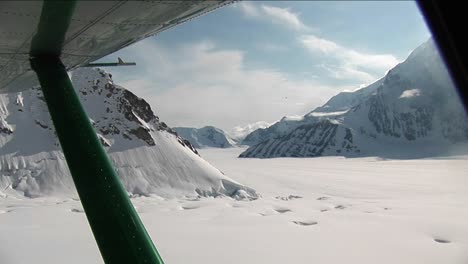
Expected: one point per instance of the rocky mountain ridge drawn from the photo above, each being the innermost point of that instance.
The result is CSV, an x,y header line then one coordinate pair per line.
x,y
149,156
414,111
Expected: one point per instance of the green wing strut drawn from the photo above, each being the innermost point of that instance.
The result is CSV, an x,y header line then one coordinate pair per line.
x,y
118,230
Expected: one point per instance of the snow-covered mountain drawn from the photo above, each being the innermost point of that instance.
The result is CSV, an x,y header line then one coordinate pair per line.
x,y
239,133
414,111
273,131
207,136
149,156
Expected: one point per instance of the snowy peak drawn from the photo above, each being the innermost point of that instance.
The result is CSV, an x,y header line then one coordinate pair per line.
x,y
414,111
239,133
344,101
307,140
115,110
426,50
275,130
119,115
149,157
204,137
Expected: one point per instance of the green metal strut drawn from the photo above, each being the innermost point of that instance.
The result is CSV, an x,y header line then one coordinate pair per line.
x,y
119,232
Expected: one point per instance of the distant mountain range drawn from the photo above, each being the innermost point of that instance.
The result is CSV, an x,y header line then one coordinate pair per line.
x,y
414,111
239,133
149,156
213,137
208,136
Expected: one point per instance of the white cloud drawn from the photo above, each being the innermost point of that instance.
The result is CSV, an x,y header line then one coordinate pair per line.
x,y
283,16
276,15
346,63
248,9
347,72
317,44
199,84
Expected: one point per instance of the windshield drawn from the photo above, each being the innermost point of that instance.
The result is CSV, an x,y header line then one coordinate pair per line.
x,y
260,132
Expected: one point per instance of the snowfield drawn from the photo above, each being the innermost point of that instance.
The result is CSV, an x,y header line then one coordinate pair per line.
x,y
311,210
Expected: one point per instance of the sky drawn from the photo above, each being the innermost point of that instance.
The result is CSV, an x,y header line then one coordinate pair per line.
x,y
262,60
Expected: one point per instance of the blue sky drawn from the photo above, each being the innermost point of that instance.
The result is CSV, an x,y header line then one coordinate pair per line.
x,y
262,60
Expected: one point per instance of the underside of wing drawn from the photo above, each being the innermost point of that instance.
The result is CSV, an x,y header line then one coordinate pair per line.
x,y
97,29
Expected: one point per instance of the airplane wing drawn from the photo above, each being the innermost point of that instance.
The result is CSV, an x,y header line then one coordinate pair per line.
x,y
97,28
